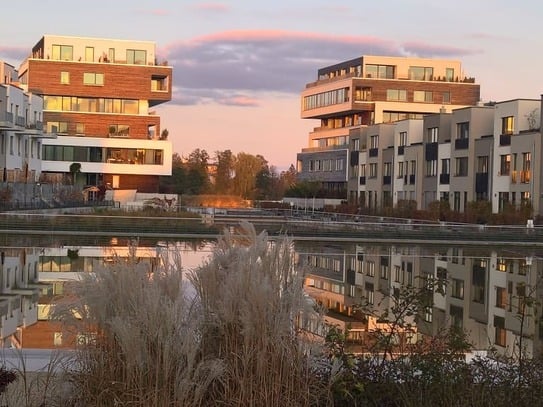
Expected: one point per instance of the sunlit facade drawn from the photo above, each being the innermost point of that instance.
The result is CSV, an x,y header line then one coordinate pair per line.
x,y
372,90
97,98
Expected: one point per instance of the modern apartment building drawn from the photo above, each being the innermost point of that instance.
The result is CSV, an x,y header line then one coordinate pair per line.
x,y
20,129
479,153
97,98
371,90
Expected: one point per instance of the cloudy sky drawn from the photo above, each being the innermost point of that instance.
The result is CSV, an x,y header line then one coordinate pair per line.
x,y
240,65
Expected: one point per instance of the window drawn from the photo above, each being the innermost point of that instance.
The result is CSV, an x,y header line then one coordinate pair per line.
x,y
501,334
507,125
401,171
328,98
525,176
374,141
423,96
433,133
362,170
397,95
373,170
457,288
505,164
449,74
119,130
461,167
501,297
446,97
368,293
387,169
362,94
431,168
462,130
397,273
339,164
380,71
65,78
80,128
89,54
403,138
63,52
421,73
111,55
413,167
159,83
90,78
370,268
136,56
482,164
57,127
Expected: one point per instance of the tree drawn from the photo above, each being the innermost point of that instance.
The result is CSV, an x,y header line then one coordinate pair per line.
x,y
75,168
197,172
224,171
246,168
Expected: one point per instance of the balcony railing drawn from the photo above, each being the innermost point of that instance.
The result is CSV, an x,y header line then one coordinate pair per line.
x,y
505,139
362,180
461,143
401,150
444,179
386,180
374,152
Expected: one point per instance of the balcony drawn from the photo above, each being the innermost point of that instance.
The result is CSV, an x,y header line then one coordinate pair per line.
x,y
525,177
6,119
353,160
362,180
401,150
374,152
412,179
386,180
35,126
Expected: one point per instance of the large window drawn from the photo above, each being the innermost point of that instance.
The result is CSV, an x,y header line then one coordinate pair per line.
x,y
399,95
431,168
380,71
421,73
423,96
326,98
90,78
57,127
362,94
103,154
136,56
91,105
63,52
482,164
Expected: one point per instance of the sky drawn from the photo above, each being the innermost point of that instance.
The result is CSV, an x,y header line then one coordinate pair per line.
x,y
239,66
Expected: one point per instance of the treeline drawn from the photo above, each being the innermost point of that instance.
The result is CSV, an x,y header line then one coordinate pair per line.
x,y
245,175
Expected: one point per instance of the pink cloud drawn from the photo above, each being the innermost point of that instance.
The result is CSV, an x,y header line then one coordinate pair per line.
x,y
239,100
159,12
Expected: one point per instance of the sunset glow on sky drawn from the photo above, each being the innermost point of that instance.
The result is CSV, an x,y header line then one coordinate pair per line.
x,y
240,65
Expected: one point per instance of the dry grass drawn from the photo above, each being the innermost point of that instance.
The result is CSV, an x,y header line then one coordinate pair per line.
x,y
229,340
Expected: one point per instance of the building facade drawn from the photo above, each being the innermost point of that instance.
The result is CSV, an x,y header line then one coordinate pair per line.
x,y
21,126
98,95
487,153
371,90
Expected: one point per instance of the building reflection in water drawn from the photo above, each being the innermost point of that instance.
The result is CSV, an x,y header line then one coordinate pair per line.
x,y
493,294
34,278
